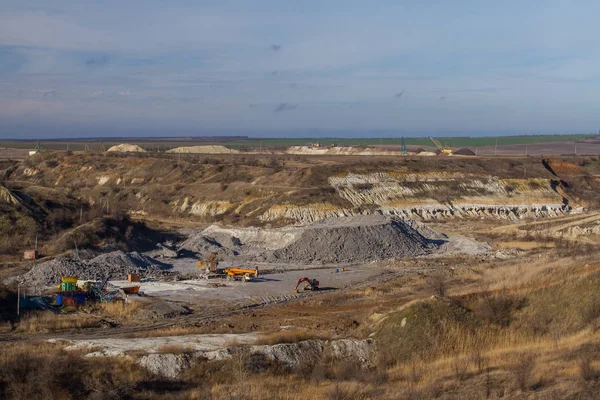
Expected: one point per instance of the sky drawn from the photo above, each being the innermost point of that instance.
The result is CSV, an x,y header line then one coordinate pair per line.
x,y
77,68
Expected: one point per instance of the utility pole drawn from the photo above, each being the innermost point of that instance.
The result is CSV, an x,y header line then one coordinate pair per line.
x,y
18,298
496,148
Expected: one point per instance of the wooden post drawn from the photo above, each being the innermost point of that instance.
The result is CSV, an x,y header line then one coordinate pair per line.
x,y
18,298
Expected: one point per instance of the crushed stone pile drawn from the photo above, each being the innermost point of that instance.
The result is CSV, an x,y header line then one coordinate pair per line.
x,y
126,148
115,265
202,245
203,150
355,239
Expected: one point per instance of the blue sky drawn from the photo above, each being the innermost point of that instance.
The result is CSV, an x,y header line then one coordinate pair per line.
x,y
275,68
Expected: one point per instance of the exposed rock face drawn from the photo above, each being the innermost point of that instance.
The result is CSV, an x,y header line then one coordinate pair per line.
x,y
431,196
167,365
8,197
291,355
306,215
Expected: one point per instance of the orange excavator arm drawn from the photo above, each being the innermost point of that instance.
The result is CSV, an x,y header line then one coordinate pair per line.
x,y
310,284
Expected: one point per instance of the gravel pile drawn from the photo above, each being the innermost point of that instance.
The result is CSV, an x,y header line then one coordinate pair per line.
x,y
202,245
115,265
126,148
354,239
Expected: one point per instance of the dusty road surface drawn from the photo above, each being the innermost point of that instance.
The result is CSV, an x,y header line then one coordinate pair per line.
x,y
271,287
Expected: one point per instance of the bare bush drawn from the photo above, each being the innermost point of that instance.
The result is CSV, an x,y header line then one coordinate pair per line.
x,y
416,371
478,359
591,312
523,371
587,372
438,282
460,365
346,393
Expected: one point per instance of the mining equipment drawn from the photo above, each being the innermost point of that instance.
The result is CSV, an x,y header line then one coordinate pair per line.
x,y
307,284
242,274
442,149
210,264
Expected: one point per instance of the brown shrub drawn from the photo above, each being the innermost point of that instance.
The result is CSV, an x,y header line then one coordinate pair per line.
x,y
587,372
438,281
46,321
523,371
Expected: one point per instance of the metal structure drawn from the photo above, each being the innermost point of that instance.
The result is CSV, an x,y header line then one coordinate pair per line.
x,y
404,149
442,149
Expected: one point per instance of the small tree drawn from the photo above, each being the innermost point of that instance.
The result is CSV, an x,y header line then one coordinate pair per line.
x,y
438,281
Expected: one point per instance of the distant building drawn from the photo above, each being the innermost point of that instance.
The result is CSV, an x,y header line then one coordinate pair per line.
x,y
30,255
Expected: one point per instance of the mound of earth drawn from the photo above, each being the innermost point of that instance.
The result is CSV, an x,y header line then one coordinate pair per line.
x,y
464,152
203,245
353,240
126,148
204,150
114,265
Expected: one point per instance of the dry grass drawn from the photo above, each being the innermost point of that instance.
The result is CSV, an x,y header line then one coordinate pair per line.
x,y
40,370
120,310
45,321
175,349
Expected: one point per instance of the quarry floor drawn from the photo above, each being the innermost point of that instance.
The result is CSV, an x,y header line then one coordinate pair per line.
x,y
271,287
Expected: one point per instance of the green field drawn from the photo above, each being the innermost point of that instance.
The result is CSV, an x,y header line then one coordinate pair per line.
x,y
161,144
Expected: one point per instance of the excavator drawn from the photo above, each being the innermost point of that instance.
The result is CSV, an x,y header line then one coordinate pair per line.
x,y
307,284
442,149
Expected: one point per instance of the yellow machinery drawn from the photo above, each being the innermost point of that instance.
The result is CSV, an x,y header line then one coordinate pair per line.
x,y
241,273
210,264
68,284
443,149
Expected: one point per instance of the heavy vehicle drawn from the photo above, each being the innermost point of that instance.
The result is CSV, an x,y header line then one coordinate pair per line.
x,y
442,149
210,264
307,284
241,273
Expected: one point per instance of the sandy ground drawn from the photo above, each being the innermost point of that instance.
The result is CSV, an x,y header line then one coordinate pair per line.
x,y
13,154
119,346
546,149
269,288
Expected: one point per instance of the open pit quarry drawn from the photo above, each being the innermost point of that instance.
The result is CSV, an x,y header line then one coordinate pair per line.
x,y
189,264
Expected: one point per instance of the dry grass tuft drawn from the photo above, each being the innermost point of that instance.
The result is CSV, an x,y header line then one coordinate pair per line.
x,y
45,321
120,309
